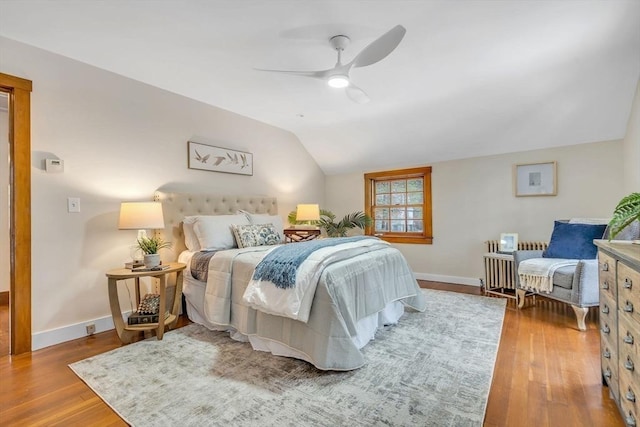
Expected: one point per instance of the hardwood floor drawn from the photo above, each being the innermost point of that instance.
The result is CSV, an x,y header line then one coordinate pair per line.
x,y
547,374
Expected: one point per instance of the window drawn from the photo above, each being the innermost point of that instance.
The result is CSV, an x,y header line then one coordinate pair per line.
x,y
399,202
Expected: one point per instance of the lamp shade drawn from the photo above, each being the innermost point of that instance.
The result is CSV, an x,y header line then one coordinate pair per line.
x,y
308,213
140,215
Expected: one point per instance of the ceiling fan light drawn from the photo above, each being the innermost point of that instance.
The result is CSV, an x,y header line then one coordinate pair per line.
x,y
338,81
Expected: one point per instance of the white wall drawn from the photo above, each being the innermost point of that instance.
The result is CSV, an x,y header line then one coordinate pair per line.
x,y
121,140
473,202
632,147
4,201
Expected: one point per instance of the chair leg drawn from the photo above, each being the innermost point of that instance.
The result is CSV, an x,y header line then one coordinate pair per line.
x,y
581,314
520,294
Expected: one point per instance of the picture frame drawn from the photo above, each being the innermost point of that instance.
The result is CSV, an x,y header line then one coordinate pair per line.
x,y
535,179
508,242
219,159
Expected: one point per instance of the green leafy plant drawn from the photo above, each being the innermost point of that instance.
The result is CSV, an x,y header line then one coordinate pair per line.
x,y
151,245
627,211
327,222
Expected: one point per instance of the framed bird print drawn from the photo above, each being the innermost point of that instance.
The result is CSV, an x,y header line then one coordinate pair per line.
x,y
218,159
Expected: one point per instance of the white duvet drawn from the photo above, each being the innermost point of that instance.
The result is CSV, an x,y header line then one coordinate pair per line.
x,y
295,302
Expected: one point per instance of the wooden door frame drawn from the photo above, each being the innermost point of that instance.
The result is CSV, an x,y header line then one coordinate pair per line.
x,y
19,91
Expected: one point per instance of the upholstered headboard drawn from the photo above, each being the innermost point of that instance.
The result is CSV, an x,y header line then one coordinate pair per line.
x,y
175,206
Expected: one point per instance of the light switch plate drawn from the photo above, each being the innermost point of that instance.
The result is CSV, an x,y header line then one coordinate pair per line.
x,y
73,204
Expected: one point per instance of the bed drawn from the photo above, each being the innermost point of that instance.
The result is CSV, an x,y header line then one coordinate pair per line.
x,y
367,286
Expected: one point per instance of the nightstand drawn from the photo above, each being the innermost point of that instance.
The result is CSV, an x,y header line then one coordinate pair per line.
x,y
126,333
294,235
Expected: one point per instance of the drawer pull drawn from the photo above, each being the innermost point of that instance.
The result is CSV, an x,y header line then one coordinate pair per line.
x,y
605,309
605,266
605,330
628,339
630,395
627,283
605,285
606,354
628,364
628,307
631,422
607,373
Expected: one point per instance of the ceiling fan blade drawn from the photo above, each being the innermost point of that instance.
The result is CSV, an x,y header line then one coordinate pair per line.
x,y
380,48
315,74
356,94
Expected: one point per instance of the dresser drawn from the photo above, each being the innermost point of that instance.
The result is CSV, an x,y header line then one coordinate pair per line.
x,y
619,284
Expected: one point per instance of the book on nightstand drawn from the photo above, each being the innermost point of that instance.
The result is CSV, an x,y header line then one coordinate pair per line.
x,y
141,318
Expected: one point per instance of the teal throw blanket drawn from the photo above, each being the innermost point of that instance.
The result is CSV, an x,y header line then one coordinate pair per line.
x,y
280,266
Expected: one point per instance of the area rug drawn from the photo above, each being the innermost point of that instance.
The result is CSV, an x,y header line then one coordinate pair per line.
x,y
432,369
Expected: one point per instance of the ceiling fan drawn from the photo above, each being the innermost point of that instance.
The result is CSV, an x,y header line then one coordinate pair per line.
x,y
338,76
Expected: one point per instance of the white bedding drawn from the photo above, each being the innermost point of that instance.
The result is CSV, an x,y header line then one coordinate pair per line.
x,y
295,302
354,297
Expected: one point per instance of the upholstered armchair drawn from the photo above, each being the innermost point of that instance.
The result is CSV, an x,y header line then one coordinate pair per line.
x,y
571,264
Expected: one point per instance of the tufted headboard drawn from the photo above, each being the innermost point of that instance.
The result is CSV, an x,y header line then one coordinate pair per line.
x,y
175,206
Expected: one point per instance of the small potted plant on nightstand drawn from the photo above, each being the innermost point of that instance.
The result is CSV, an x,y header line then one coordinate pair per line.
x,y
150,246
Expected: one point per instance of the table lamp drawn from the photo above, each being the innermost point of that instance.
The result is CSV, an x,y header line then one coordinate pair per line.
x,y
308,212
140,216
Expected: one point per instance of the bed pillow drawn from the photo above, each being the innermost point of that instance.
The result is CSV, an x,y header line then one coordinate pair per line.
x,y
266,219
214,232
248,236
574,241
190,238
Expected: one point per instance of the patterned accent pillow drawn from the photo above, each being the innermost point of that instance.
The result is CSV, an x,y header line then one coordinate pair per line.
x,y
248,236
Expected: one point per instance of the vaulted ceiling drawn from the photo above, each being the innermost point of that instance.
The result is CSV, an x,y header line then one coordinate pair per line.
x,y
470,77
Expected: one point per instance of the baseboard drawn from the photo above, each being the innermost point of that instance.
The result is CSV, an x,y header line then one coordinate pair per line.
x,y
448,279
67,333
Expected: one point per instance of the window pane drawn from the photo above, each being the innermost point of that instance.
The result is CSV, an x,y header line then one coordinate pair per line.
x,y
382,225
414,184
415,198
397,213
415,226
397,225
383,199
399,186
414,213
382,187
381,213
398,199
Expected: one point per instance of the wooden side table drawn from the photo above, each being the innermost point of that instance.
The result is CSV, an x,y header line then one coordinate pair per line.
x,y
294,235
126,333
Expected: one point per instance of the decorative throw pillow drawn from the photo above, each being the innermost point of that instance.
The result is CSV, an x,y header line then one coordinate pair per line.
x,y
266,219
248,236
574,241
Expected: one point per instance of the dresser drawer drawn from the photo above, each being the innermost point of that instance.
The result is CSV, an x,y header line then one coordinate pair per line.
x,y
629,395
609,330
608,309
607,275
609,364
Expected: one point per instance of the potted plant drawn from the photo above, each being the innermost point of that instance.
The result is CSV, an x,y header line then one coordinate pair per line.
x,y
627,211
327,222
150,247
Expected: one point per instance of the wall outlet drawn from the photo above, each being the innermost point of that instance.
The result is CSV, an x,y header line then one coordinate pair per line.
x,y
91,328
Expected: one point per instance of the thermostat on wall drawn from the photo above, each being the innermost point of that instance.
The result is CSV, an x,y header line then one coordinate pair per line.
x,y
54,165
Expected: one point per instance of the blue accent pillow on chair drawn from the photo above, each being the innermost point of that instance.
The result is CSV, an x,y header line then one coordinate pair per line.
x,y
574,241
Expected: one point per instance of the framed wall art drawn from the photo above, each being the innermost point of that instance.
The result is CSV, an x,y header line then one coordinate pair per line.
x,y
218,159
535,179
508,242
